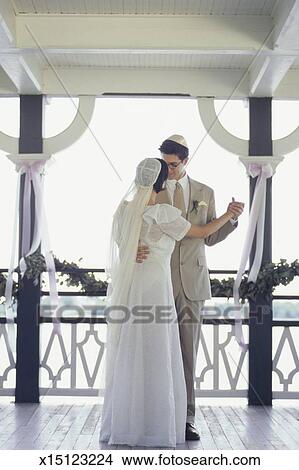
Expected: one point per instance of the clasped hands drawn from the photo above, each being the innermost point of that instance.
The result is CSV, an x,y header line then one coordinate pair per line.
x,y
235,208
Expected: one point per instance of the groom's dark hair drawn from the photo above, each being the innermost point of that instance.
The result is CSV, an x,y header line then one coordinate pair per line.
x,y
169,147
162,177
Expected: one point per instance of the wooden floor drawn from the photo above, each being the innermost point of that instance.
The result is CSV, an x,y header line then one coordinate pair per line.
x,y
76,426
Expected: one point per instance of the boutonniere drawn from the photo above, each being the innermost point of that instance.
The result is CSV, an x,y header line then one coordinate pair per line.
x,y
196,205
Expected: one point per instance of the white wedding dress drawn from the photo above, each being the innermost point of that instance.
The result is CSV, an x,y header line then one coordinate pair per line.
x,y
145,402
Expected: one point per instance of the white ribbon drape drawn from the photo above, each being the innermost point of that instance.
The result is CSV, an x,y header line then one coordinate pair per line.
x,y
34,173
256,223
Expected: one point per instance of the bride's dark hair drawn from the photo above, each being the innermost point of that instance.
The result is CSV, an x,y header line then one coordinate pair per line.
x,y
163,175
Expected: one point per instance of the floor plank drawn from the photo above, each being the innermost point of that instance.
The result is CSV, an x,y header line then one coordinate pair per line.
x,y
261,433
244,428
228,429
95,443
63,428
76,425
283,429
206,437
75,429
38,423
19,422
290,424
215,428
263,422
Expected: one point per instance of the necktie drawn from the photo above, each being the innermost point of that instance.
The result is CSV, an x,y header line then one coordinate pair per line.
x,y
178,199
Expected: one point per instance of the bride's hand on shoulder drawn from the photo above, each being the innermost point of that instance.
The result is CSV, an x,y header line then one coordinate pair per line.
x,y
142,253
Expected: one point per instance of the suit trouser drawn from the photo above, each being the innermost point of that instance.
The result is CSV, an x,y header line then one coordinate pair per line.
x,y
190,320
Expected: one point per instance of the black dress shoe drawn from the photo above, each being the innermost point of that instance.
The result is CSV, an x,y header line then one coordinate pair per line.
x,y
191,433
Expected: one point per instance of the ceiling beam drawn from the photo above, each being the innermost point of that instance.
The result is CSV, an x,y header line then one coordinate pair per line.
x,y
7,88
268,72
7,23
139,32
286,17
199,52
219,83
96,81
24,72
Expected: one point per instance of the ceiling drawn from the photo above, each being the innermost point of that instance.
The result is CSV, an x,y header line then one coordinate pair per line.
x,y
235,48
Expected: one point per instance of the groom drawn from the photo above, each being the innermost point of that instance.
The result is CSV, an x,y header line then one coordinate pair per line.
x,y
190,276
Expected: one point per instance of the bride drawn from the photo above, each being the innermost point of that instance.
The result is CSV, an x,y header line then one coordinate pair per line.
x,y
145,399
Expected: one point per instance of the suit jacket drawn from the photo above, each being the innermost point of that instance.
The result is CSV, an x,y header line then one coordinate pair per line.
x,y
190,267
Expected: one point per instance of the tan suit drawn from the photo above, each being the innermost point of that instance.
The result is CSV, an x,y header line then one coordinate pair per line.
x,y
190,278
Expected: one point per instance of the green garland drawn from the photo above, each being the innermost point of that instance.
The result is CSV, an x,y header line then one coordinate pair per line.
x,y
270,276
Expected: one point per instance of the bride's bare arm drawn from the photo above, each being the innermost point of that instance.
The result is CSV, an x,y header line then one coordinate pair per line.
x,y
203,231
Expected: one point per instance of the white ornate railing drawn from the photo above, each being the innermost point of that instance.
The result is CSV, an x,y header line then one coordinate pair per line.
x,y
285,382
7,364
73,364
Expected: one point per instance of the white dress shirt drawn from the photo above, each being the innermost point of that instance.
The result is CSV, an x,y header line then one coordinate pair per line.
x,y
184,182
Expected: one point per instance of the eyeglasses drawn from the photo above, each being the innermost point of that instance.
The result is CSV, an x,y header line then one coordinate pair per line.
x,y
173,165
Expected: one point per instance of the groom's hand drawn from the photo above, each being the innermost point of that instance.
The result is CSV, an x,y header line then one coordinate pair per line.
x,y
142,253
236,208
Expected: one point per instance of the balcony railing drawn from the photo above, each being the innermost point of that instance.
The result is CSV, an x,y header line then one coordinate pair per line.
x,y
73,364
